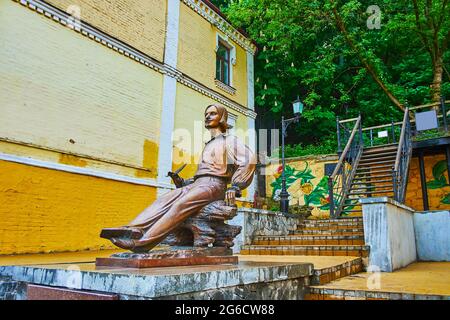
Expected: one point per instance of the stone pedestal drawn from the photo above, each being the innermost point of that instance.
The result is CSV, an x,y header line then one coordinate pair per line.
x,y
205,238
389,232
207,228
170,257
243,281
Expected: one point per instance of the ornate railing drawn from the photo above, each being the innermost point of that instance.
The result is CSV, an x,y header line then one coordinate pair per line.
x,y
340,180
401,167
342,131
393,130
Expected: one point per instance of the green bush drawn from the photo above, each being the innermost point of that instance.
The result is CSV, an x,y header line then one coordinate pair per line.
x,y
300,150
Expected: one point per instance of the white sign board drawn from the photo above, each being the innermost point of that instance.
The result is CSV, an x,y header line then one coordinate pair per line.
x,y
382,134
426,120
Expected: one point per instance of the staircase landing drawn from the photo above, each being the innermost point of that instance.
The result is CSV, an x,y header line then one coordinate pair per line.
x,y
337,241
326,269
418,281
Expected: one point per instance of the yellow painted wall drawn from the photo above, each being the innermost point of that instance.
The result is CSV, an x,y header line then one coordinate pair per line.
x,y
69,100
414,197
297,190
37,153
140,24
197,58
69,87
46,210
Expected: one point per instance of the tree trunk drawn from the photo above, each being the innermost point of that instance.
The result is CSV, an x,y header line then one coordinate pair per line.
x,y
438,69
366,64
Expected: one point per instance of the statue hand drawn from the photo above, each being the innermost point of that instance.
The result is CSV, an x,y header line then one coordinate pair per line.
x,y
177,180
230,197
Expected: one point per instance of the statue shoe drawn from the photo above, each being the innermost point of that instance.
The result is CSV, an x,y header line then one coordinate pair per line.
x,y
121,232
123,243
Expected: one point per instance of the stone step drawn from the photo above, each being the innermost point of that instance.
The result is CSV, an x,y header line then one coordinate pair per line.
x,y
358,187
307,250
369,178
309,240
328,274
418,281
370,155
382,148
369,167
377,159
346,211
341,222
331,226
327,232
325,269
342,294
372,181
352,204
373,175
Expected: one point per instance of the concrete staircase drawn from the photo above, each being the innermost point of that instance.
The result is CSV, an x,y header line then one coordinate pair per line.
x,y
332,237
373,177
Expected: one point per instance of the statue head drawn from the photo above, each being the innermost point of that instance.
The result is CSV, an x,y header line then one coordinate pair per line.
x,y
216,116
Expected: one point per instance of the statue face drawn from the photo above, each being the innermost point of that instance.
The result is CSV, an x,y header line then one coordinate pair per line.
x,y
212,118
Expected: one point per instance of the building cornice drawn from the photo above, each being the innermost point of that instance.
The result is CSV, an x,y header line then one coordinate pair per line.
x,y
222,24
92,33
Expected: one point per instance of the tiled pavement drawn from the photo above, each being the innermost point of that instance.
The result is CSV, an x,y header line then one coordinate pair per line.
x,y
345,280
418,281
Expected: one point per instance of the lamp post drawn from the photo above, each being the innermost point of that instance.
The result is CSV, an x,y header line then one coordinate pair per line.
x,y
297,105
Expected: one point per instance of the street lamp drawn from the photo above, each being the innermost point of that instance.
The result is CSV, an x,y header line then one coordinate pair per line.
x,y
297,107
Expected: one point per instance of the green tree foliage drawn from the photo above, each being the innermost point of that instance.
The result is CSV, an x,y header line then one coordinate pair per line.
x,y
335,56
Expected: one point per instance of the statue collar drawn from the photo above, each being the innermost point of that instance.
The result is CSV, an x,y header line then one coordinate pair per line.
x,y
223,134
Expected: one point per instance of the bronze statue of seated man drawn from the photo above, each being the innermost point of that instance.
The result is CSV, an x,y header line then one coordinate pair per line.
x,y
224,160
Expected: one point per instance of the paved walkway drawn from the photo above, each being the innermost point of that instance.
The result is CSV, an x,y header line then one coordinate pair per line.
x,y
54,258
420,280
319,262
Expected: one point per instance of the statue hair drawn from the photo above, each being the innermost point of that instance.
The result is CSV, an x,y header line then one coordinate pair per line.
x,y
223,112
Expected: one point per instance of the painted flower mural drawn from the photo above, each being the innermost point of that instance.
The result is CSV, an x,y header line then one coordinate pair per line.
x,y
313,195
440,181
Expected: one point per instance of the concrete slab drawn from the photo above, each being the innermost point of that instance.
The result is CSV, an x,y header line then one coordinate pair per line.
x,y
54,258
389,232
432,230
247,280
319,262
419,278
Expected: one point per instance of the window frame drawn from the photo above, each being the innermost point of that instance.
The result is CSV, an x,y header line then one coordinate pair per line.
x,y
227,60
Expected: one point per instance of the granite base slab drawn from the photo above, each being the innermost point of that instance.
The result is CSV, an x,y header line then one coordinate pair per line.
x,y
246,280
170,257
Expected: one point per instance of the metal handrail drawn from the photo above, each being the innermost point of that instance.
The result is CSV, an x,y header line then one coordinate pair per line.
x,y
428,105
340,180
402,139
402,159
395,127
348,120
395,124
346,149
